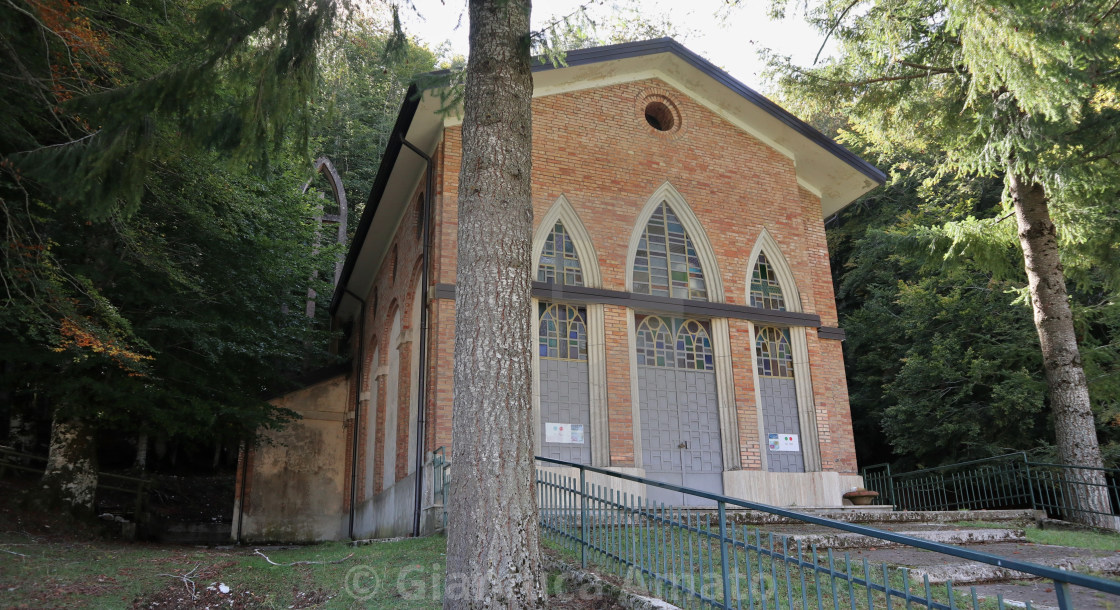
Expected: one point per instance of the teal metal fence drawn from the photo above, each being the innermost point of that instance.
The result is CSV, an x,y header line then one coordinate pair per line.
x,y
698,557
1006,481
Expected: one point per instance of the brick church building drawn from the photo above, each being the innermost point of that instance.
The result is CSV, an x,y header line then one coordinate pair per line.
x,y
687,326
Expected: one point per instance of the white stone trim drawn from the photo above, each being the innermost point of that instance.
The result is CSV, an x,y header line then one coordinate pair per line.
x,y
667,193
635,397
597,385
806,406
725,393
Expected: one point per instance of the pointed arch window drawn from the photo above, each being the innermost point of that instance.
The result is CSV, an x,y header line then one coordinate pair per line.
x,y
674,343
773,352
559,262
766,291
563,332
666,263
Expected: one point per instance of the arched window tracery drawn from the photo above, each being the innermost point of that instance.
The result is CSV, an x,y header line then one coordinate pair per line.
x,y
666,263
766,290
559,261
774,353
563,332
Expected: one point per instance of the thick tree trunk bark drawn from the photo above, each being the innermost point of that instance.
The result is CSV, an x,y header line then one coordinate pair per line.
x,y
493,555
141,463
71,474
1074,427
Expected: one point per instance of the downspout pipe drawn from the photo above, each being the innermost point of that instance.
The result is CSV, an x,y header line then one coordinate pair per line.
x,y
357,407
421,385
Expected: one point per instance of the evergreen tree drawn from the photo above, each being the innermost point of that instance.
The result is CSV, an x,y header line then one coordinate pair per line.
x,y
493,555
153,285
1023,91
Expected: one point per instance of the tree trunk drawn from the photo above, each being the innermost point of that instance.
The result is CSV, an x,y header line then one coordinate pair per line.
x,y
71,474
141,463
493,555
1074,427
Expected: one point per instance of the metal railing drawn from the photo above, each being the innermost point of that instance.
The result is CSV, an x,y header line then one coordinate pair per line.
x,y
133,487
1006,481
699,557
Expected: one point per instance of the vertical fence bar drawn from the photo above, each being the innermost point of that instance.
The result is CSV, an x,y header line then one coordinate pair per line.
x,y
722,507
583,517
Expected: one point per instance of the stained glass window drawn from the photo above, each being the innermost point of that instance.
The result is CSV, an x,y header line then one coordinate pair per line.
x,y
674,343
559,262
773,352
666,263
655,343
562,332
694,348
766,292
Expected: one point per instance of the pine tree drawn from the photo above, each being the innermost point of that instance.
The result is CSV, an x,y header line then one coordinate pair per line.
x,y
493,556
1024,91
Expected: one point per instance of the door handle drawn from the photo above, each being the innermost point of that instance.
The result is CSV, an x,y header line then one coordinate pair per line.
x,y
683,445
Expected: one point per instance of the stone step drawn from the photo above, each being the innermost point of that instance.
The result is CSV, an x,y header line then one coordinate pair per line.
x,y
845,540
971,573
875,514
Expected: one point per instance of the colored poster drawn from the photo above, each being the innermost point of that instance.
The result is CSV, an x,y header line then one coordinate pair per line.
x,y
556,433
788,442
577,433
782,442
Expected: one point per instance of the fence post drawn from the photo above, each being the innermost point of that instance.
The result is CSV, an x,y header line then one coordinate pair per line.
x,y
723,555
1030,483
583,517
890,486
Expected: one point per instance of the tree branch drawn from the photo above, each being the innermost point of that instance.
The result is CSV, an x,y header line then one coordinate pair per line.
x,y
301,563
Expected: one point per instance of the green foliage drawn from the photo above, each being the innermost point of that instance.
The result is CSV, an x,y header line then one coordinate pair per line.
x,y
364,82
952,96
158,252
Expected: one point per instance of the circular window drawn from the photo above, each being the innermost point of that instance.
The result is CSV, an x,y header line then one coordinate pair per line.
x,y
660,113
660,116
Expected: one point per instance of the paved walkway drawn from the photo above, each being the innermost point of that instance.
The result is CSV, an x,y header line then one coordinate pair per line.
x,y
1038,592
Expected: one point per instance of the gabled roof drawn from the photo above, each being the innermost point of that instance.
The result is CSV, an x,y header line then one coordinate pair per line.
x,y
824,167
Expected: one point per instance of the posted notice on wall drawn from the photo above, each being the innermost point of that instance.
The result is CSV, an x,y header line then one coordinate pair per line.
x,y
563,433
783,442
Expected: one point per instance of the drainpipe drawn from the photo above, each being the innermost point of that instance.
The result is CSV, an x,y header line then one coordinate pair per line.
x,y
421,385
357,407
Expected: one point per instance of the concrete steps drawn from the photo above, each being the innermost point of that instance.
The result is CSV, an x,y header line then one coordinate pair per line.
x,y
845,541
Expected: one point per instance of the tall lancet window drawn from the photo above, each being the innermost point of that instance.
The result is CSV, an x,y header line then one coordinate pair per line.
x,y
773,351
766,292
666,263
565,396
559,262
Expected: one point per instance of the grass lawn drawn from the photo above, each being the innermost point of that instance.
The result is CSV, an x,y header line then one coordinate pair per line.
x,y
62,572
49,561
1082,539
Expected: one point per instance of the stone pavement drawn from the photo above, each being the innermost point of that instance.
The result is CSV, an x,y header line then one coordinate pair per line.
x,y
1004,537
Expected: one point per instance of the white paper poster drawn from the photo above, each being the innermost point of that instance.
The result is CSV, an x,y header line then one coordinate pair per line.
x,y
563,433
782,442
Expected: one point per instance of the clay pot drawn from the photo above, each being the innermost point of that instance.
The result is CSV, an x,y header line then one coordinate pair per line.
x,y
861,497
